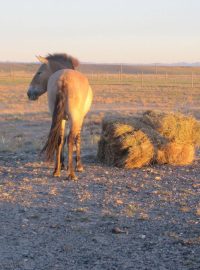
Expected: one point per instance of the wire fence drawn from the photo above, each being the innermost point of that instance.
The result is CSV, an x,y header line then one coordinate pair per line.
x,y
140,79
146,80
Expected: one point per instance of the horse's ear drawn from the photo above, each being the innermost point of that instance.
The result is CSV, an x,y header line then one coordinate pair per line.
x,y
42,59
75,62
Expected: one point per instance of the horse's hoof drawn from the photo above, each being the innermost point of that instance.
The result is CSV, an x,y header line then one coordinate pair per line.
x,y
56,174
79,168
72,177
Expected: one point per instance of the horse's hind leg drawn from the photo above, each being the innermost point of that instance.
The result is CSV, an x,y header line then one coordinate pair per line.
x,y
79,166
71,139
62,158
59,150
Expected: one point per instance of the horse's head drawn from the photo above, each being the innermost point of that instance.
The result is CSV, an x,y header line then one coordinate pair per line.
x,y
50,64
38,85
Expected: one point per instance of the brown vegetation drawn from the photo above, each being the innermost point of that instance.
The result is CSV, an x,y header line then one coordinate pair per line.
x,y
164,138
175,127
176,154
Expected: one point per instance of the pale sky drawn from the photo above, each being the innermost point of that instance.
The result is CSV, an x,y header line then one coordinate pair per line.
x,y
102,31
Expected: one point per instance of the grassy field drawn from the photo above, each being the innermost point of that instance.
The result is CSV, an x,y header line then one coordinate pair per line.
x,y
169,91
127,93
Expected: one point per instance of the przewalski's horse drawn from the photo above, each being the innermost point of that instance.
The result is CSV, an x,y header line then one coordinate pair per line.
x,y
69,98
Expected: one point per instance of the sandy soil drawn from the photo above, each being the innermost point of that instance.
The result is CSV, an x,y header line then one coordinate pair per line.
x,y
110,219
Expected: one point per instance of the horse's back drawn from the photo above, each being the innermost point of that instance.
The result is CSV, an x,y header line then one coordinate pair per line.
x,y
76,89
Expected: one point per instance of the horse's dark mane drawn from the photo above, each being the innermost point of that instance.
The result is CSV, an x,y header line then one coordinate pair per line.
x,y
63,59
58,57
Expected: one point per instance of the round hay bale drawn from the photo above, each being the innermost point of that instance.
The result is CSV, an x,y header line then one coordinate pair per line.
x,y
113,128
176,154
106,152
196,134
133,142
136,151
124,145
117,126
101,149
175,127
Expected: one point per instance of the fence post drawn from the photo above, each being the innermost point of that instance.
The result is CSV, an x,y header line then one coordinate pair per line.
x,y
11,73
192,81
156,69
142,79
120,73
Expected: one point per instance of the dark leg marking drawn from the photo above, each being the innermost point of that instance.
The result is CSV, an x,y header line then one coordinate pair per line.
x,y
79,166
71,175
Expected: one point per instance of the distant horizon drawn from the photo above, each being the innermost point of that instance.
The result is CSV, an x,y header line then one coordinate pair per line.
x,y
182,63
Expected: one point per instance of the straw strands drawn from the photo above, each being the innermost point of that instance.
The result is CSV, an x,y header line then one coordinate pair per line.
x,y
176,154
164,138
174,126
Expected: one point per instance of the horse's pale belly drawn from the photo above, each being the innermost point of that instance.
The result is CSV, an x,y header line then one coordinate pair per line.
x,y
88,101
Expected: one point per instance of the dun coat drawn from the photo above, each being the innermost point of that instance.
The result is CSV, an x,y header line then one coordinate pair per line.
x,y
69,98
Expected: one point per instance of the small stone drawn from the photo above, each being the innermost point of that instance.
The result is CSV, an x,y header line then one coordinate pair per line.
x,y
117,230
25,220
25,253
119,202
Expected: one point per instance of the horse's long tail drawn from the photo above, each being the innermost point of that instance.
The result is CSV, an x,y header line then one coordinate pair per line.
x,y
58,115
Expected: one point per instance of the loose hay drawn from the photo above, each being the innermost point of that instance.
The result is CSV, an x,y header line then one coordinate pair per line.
x,y
196,134
175,127
176,154
133,142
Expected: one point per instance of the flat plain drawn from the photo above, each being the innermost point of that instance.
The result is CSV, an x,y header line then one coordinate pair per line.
x,y
110,218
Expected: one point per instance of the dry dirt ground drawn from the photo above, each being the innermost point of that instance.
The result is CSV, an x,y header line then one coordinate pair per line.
x,y
110,218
